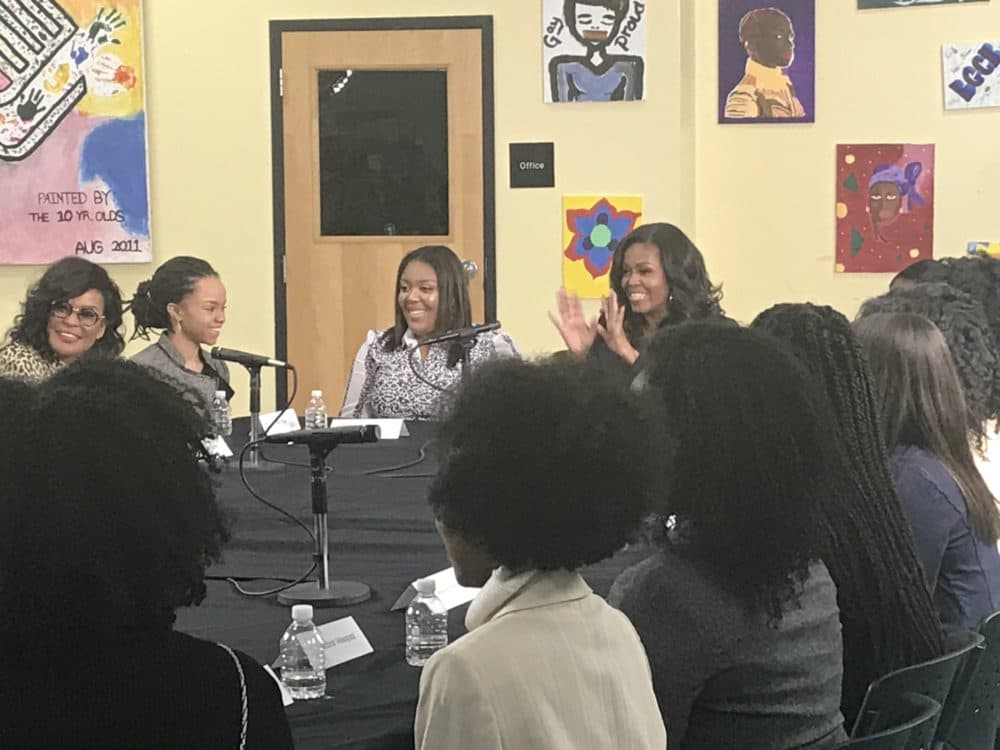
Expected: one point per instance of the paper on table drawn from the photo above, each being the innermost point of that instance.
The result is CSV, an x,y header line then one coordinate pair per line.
x,y
217,446
446,588
288,422
391,429
344,641
286,697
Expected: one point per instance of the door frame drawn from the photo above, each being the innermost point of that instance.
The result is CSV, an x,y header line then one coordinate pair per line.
x,y
277,28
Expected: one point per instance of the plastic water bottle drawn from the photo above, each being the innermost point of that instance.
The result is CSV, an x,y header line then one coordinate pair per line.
x,y
302,656
426,624
221,417
316,412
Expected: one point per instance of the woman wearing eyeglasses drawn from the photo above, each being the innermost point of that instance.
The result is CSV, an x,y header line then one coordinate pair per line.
x,y
74,308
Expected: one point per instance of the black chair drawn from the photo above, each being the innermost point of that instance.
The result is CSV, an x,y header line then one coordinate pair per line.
x,y
913,715
971,718
932,679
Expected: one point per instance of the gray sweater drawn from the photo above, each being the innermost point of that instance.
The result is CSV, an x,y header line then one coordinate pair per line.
x,y
722,676
163,359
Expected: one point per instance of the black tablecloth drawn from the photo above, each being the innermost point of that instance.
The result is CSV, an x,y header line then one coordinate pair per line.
x,y
381,533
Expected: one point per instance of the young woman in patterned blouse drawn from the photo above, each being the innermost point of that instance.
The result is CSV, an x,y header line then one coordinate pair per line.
x,y
75,308
394,375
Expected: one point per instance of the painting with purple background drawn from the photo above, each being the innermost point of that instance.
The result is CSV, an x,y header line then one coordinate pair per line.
x,y
767,61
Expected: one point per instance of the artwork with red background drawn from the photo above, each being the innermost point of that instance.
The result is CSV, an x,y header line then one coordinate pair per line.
x,y
885,206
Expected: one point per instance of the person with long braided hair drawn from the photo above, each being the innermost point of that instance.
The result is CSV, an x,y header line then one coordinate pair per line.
x,y
886,612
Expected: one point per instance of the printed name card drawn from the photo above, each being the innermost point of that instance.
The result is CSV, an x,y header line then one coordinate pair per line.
x,y
446,588
344,641
287,422
217,446
391,429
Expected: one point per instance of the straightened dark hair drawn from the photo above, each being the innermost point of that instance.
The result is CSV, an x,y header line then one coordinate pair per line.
x,y
170,283
692,294
62,281
454,308
921,404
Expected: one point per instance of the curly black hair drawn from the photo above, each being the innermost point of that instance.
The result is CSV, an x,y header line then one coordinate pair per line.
x,y
63,280
542,464
107,519
887,615
964,325
693,296
749,469
171,282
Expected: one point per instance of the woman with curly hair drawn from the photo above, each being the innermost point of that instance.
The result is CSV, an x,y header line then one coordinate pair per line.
x,y
658,278
73,309
886,613
546,662
951,511
736,610
107,523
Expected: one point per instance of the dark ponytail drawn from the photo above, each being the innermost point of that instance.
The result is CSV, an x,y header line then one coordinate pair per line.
x,y
171,282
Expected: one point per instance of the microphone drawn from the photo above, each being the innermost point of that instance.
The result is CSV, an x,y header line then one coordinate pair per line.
x,y
462,333
328,436
246,359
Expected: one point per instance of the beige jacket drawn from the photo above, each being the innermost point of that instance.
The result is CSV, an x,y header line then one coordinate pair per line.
x,y
546,665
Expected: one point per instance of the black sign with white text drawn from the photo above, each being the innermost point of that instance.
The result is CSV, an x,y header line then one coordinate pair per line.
x,y
532,165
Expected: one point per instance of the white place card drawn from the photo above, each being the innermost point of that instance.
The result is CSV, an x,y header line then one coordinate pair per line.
x,y
288,422
390,429
286,697
344,641
217,446
446,588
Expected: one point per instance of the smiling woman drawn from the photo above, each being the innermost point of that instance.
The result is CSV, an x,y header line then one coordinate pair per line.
x,y
395,374
73,309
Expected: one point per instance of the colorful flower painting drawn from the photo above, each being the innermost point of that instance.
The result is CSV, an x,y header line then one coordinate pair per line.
x,y
73,131
885,206
592,227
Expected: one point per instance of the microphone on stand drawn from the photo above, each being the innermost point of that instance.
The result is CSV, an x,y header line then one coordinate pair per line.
x,y
248,360
328,436
462,333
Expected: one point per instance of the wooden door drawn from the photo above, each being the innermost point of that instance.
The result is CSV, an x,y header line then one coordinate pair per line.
x,y
344,232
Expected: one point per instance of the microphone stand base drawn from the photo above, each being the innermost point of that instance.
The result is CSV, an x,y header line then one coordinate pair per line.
x,y
337,594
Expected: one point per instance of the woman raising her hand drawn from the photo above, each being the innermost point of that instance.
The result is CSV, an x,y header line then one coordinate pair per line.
x,y
658,278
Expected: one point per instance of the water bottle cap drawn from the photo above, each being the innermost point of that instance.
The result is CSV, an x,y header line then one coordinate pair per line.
x,y
425,586
220,395
317,394
302,612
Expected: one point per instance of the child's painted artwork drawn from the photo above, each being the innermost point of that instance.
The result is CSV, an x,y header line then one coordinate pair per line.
x,y
73,131
971,75
885,206
767,61
866,4
978,248
594,50
593,225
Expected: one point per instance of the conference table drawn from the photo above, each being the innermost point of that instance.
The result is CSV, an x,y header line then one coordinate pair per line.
x,y
382,534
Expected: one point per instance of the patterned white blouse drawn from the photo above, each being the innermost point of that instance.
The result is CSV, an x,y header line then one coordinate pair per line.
x,y
399,384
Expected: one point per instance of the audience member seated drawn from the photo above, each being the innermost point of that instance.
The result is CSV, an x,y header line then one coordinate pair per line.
x,y
107,522
74,308
886,612
394,374
658,278
963,323
952,513
736,610
186,301
542,471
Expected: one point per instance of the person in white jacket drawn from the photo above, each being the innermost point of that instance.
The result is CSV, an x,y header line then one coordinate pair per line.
x,y
542,471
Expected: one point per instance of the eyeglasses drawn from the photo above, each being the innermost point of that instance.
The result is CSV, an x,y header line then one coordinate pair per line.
x,y
88,316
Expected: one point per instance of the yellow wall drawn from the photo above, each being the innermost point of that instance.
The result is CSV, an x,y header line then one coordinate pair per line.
x,y
210,153
761,207
765,193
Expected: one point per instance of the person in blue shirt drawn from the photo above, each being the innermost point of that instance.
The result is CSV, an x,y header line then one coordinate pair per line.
x,y
951,511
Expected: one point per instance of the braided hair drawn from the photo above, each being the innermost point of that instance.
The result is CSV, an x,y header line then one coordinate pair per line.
x,y
887,615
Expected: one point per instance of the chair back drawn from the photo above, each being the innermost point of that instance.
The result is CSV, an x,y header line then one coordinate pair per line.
x,y
971,717
932,679
913,713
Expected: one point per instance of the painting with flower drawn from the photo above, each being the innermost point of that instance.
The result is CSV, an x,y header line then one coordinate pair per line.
x,y
592,227
73,152
885,206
